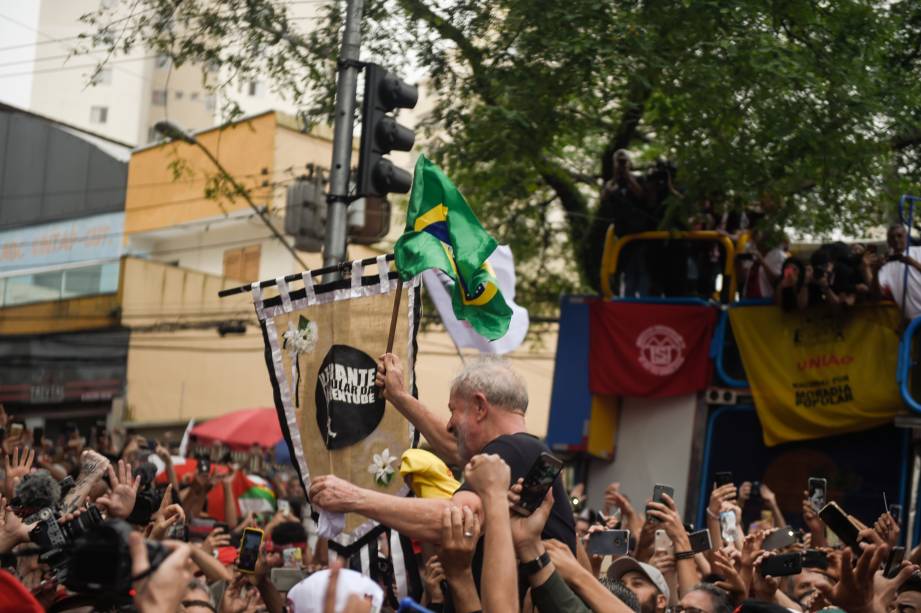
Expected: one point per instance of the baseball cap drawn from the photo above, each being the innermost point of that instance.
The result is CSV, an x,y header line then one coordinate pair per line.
x,y
622,566
308,595
431,477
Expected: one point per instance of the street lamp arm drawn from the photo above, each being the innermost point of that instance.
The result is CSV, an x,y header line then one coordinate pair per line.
x,y
174,132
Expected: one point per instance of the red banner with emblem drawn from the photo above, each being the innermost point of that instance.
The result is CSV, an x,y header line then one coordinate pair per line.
x,y
649,350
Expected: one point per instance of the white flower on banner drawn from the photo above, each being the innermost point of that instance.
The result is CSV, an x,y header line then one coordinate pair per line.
x,y
381,467
301,338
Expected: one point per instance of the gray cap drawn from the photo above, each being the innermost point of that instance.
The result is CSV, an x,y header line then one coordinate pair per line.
x,y
624,565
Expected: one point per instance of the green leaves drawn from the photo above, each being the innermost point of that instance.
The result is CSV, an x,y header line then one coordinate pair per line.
x,y
809,106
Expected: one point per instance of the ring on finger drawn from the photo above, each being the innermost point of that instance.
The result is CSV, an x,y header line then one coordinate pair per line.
x,y
468,534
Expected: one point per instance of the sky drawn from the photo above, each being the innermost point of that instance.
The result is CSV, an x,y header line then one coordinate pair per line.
x,y
18,20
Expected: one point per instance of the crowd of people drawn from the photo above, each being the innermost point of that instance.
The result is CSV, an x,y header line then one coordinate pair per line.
x,y
99,525
836,274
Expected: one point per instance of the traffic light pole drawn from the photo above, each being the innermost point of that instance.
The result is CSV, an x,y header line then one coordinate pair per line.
x,y
334,243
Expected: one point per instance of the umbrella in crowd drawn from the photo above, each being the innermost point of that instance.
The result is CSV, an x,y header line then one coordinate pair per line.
x,y
241,429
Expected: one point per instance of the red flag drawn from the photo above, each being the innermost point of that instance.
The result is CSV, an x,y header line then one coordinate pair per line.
x,y
649,350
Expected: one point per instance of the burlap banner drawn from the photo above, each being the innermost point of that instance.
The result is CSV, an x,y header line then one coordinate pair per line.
x,y
322,344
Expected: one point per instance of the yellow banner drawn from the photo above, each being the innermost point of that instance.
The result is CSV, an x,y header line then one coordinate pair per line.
x,y
818,373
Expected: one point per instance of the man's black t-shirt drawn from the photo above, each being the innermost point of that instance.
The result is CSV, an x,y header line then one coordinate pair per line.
x,y
520,451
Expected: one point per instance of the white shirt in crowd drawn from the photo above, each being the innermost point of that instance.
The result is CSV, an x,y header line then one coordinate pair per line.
x,y
773,260
892,280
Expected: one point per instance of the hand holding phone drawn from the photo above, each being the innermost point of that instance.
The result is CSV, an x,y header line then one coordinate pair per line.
x,y
658,493
700,541
728,527
894,562
839,523
779,538
250,545
663,542
539,479
782,565
609,543
818,488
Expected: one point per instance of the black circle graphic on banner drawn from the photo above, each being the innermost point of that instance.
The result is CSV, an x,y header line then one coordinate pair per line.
x,y
349,407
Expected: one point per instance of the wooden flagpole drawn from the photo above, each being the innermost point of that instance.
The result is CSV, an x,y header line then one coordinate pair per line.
x,y
395,315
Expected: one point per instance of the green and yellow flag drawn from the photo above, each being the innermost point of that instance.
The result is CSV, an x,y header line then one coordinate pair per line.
x,y
442,232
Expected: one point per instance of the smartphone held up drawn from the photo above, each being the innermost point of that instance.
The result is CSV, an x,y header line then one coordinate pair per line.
x,y
537,482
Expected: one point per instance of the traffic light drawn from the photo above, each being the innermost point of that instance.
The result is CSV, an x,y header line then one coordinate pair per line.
x,y
381,134
305,213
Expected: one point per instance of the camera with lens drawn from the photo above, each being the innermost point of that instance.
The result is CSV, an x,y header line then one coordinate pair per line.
x,y
55,539
661,170
100,561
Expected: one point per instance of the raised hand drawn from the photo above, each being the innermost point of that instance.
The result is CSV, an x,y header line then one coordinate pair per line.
x,y
733,582
390,376
12,530
768,495
460,531
670,522
488,475
886,590
166,516
854,590
239,596
764,587
745,492
164,454
563,559
526,531
167,585
216,538
723,493
17,466
432,577
119,502
888,529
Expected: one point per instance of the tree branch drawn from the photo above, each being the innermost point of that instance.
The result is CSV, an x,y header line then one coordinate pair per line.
x,y
627,127
448,31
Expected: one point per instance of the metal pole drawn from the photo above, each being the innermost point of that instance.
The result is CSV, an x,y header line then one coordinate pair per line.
x,y
334,243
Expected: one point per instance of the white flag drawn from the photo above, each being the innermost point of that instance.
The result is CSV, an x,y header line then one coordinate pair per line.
x,y
184,445
439,286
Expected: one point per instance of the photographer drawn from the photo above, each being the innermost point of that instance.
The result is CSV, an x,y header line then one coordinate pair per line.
x,y
890,278
633,211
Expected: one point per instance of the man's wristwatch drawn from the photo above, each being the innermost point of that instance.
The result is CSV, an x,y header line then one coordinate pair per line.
x,y
684,555
535,565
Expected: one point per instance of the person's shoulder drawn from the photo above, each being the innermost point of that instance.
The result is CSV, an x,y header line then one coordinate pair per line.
x,y
519,440
915,252
519,450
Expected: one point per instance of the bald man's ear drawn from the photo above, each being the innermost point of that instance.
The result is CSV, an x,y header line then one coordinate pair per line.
x,y
661,602
480,406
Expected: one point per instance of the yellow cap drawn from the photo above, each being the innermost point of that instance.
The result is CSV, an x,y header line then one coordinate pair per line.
x,y
431,478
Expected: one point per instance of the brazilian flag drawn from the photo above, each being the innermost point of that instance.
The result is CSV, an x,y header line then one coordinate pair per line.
x,y
442,232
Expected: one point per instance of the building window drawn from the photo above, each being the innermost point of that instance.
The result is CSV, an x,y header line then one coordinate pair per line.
x,y
162,60
210,102
70,283
242,264
179,95
103,77
254,88
193,96
158,97
99,114
153,135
